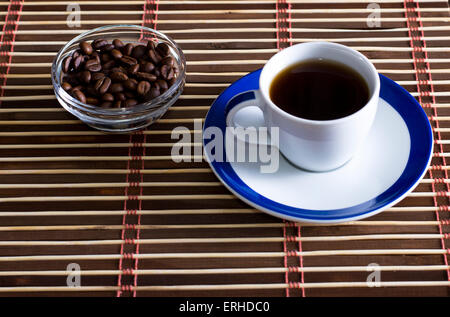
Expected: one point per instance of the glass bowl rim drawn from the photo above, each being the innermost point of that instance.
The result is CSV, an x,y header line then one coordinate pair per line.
x,y
141,107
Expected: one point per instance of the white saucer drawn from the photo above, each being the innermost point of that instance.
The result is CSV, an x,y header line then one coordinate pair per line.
x,y
387,167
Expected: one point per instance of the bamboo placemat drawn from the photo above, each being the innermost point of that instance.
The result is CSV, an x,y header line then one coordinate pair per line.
x,y
139,224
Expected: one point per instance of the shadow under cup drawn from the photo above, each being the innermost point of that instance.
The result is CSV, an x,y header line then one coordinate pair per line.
x,y
319,145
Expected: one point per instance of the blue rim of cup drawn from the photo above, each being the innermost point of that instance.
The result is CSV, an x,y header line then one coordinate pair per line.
x,y
419,159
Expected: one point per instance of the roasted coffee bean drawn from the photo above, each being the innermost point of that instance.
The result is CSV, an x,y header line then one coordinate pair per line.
x,y
132,70
166,72
129,94
86,47
77,62
120,96
79,95
90,90
151,45
138,51
115,88
107,48
127,49
106,104
93,65
99,43
128,61
102,85
72,79
155,58
163,49
143,88
67,64
117,104
147,67
153,93
108,65
117,69
146,76
130,84
168,60
162,84
96,56
130,103
78,87
118,43
176,70
85,76
157,72
118,76
171,81
92,101
97,76
116,54
108,97
105,57
66,86
76,53
171,74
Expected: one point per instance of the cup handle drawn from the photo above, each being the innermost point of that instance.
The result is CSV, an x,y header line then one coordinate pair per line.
x,y
253,118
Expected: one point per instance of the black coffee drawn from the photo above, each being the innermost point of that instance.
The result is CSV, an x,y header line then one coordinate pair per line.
x,y
319,90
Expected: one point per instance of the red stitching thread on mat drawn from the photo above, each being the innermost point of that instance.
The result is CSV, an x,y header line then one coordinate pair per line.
x,y
289,22
286,275
277,24
284,35
286,9
138,231
426,70
127,226
155,24
300,258
144,17
4,42
148,8
124,224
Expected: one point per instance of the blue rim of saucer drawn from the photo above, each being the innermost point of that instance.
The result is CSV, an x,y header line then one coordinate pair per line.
x,y
419,157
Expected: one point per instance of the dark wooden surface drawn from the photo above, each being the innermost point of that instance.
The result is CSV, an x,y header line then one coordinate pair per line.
x,y
359,30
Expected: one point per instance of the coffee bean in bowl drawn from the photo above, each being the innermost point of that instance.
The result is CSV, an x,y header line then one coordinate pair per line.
x,y
115,81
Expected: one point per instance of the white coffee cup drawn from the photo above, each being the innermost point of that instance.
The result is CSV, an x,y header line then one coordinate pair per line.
x,y
315,145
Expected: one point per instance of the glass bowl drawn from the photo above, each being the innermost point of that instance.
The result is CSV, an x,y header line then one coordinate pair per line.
x,y
120,120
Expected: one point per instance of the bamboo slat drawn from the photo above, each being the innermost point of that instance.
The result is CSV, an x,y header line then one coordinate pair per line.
x,y
221,287
139,2
223,240
174,212
213,255
208,12
216,226
234,270
243,30
230,21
